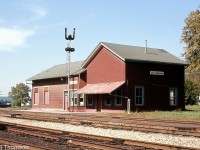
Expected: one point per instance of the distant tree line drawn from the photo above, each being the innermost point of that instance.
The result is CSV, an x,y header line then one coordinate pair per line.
x,y
4,101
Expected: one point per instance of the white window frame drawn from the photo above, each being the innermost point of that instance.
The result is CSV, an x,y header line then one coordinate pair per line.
x,y
175,97
66,93
81,96
72,97
139,87
117,96
75,96
106,104
73,82
90,104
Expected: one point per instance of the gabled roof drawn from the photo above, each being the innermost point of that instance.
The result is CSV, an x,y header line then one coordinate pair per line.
x,y
134,53
59,71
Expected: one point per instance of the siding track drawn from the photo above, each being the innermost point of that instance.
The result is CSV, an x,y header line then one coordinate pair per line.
x,y
183,128
84,140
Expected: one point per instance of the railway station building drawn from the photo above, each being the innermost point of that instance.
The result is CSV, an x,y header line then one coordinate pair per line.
x,y
151,78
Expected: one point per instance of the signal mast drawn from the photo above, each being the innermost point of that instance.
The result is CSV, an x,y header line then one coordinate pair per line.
x,y
68,49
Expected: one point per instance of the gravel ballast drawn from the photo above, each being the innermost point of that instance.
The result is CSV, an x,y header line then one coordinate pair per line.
x,y
37,141
185,141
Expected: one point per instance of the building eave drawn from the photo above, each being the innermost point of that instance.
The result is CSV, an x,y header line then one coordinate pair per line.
x,y
155,62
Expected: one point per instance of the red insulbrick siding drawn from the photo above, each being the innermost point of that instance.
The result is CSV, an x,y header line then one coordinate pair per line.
x,y
55,97
82,82
112,111
77,109
105,67
90,110
56,89
156,88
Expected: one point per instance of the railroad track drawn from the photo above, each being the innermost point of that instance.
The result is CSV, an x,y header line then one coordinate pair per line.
x,y
138,126
84,140
93,117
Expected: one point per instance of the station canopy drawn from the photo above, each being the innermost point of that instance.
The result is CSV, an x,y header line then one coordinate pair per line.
x,y
100,88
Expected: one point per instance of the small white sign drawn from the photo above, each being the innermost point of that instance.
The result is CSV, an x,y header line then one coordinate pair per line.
x,y
157,73
73,82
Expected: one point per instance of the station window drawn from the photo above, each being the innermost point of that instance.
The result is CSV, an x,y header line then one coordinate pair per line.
x,y
46,95
118,98
81,99
89,100
173,96
73,98
66,93
36,96
108,101
66,98
139,95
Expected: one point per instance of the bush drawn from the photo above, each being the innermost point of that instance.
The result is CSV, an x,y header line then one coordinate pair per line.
x,y
191,92
190,101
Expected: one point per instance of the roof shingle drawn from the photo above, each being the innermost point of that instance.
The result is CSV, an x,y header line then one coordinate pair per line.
x,y
135,53
59,71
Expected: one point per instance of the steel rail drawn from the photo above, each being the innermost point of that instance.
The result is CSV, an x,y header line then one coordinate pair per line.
x,y
96,117
86,139
185,131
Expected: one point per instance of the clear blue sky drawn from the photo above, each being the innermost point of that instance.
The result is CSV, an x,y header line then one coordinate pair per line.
x,y
32,31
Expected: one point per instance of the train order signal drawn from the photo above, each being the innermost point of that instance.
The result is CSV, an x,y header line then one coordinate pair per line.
x,y
69,37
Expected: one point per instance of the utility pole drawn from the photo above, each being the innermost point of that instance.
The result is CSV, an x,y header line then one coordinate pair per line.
x,y
69,49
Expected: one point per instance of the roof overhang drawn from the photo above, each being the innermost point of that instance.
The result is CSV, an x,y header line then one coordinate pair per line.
x,y
155,62
80,71
100,88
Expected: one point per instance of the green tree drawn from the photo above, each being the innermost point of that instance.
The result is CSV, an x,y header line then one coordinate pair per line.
x,y
19,94
191,92
195,77
191,37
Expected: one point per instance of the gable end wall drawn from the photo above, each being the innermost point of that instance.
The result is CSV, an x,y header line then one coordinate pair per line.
x,y
105,67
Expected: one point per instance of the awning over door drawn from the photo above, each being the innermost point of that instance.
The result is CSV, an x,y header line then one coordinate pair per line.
x,y
100,88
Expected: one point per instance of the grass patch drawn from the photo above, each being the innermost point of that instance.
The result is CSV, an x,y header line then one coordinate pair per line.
x,y
169,115
191,113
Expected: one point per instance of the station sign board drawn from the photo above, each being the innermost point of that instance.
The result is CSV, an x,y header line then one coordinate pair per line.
x,y
157,73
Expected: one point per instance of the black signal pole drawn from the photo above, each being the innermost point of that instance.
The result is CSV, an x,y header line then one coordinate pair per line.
x,y
68,49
